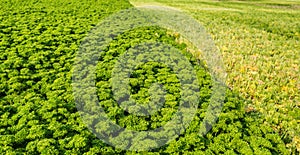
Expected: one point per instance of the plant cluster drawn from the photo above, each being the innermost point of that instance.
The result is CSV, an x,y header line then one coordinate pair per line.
x,y
38,115
259,41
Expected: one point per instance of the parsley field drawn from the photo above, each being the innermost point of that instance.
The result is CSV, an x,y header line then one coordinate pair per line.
x,y
259,41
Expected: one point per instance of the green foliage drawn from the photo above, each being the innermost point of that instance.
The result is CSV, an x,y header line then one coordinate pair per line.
x,y
38,41
259,41
37,109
